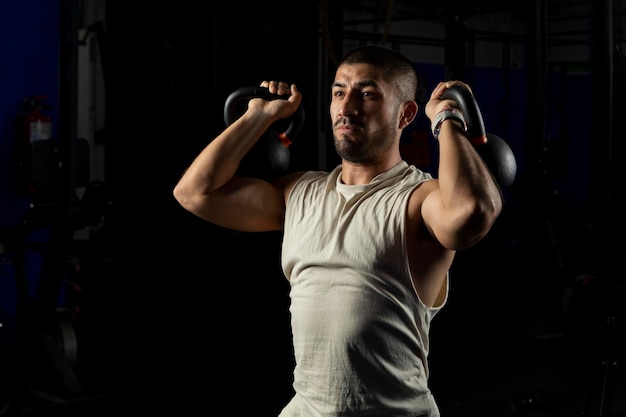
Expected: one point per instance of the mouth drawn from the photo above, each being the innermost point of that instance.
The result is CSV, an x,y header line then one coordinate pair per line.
x,y
345,127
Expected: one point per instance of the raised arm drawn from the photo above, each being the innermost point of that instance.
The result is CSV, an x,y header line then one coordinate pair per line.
x,y
209,188
463,207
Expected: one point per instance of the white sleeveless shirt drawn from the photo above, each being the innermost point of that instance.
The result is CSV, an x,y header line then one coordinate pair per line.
x,y
360,332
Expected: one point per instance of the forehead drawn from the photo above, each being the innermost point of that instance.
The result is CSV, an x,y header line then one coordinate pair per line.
x,y
359,75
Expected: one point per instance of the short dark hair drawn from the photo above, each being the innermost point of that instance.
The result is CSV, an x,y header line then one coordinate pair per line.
x,y
395,66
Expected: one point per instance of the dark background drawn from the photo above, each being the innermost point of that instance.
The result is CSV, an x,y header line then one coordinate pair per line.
x,y
158,313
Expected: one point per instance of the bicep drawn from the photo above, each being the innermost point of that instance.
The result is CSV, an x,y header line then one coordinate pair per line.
x,y
430,260
428,206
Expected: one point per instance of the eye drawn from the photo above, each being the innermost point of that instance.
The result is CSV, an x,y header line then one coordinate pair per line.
x,y
368,94
338,93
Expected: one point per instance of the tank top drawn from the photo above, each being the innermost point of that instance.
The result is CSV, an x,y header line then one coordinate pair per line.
x,y
360,331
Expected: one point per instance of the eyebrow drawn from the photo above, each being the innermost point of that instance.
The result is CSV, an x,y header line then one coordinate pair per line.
x,y
360,84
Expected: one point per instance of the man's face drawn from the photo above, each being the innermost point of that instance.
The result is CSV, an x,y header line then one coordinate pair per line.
x,y
364,113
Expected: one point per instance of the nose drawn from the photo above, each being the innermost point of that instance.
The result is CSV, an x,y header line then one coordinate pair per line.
x,y
347,106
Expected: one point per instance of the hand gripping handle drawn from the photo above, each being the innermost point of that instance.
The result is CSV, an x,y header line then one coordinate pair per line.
x,y
244,94
473,118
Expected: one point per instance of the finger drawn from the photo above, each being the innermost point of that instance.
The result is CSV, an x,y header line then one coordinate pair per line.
x,y
273,86
459,83
283,88
295,94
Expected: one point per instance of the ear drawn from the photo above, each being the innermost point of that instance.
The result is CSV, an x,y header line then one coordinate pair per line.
x,y
408,113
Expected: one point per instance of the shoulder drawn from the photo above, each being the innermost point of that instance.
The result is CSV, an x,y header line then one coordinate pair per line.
x,y
287,182
417,174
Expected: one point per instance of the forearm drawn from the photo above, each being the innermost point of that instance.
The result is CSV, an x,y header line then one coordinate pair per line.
x,y
219,160
469,193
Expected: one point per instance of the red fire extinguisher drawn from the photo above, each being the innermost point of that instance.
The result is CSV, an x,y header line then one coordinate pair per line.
x,y
34,131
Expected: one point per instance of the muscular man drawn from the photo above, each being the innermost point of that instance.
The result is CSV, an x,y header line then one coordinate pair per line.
x,y
367,247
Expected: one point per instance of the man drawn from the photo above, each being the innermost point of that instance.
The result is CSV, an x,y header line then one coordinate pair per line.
x,y
366,247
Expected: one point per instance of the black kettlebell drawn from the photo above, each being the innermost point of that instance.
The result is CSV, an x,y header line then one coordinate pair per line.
x,y
269,157
496,153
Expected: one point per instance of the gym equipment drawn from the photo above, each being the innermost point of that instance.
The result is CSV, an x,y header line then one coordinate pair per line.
x,y
270,156
496,153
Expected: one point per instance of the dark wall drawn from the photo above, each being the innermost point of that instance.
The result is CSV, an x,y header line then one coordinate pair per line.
x,y
166,300
199,298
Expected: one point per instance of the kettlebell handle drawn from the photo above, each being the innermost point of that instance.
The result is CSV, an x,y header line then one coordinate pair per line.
x,y
496,153
244,94
473,118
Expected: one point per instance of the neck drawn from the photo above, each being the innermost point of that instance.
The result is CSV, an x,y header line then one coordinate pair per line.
x,y
359,174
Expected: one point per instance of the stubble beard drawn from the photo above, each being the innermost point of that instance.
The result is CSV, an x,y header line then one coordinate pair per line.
x,y
367,151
